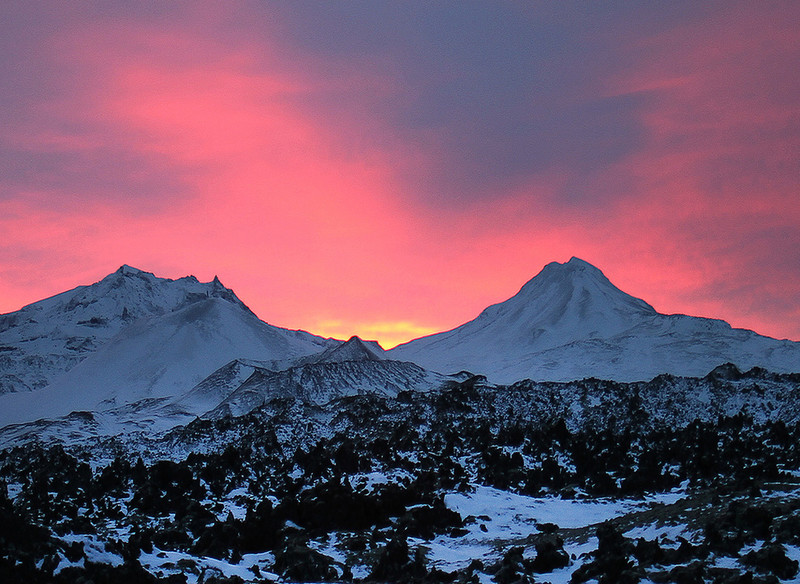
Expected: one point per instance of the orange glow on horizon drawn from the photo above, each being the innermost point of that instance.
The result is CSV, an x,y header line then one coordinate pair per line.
x,y
388,334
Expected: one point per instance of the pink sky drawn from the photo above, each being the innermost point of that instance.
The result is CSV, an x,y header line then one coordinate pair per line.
x,y
392,180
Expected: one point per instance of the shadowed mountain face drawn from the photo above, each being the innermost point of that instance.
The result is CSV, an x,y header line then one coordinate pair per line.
x,y
353,350
571,322
351,368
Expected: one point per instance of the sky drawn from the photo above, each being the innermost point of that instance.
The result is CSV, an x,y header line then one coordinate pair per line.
x,y
389,169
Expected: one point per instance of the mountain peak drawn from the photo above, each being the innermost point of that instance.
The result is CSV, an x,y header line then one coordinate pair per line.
x,y
58,332
575,265
578,263
127,294
575,287
562,304
126,269
574,262
164,294
570,321
354,349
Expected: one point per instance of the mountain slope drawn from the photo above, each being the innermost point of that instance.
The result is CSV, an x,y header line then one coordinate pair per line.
x,y
352,368
354,349
571,322
212,390
43,340
319,383
163,356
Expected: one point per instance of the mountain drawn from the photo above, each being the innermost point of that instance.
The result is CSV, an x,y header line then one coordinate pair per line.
x,y
44,339
143,351
352,368
185,331
570,322
353,349
212,390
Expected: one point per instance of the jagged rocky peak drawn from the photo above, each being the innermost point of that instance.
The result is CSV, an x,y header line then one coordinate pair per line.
x,y
726,371
159,294
213,289
354,349
126,269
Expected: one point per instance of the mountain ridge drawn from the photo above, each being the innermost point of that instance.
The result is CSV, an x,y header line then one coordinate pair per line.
x,y
133,337
569,321
46,338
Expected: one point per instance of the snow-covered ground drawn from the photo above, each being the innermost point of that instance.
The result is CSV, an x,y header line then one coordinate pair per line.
x,y
501,519
251,568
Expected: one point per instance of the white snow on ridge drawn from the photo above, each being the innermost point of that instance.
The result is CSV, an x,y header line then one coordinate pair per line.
x,y
44,339
321,382
570,322
161,356
132,336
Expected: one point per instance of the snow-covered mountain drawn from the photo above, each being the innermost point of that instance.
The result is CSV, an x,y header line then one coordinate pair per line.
x,y
570,322
354,349
351,368
212,390
44,339
185,330
145,352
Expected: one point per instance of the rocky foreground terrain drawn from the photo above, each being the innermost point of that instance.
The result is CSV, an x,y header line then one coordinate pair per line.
x,y
470,483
